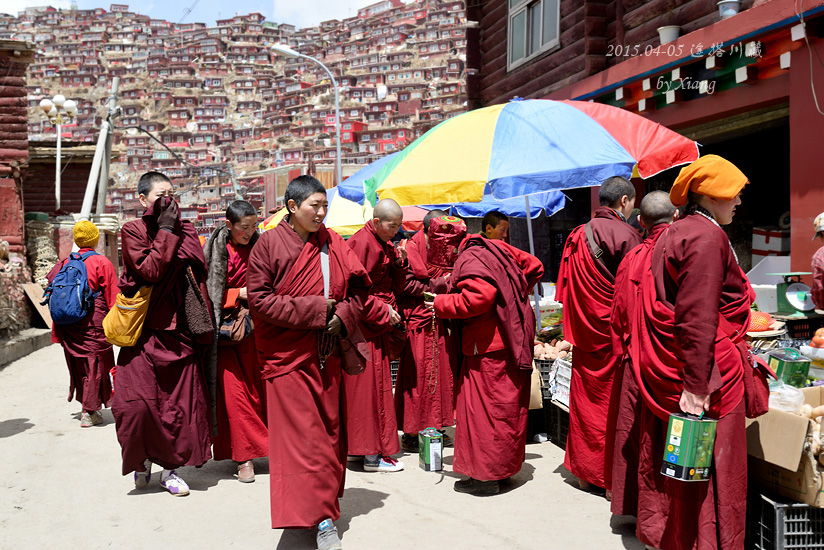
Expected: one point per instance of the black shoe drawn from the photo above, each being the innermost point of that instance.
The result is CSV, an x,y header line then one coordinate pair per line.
x,y
476,487
409,443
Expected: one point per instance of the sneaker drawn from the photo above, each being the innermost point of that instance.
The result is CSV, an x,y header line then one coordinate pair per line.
x,y
328,538
170,481
477,487
378,463
87,420
409,443
141,479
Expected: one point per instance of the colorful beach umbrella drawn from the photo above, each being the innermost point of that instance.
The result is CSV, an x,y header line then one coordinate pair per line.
x,y
525,147
550,202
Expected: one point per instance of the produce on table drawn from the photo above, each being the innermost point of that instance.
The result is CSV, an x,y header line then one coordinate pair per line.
x,y
760,321
818,340
556,349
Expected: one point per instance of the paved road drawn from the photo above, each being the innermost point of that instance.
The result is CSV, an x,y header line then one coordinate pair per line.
x,y
60,487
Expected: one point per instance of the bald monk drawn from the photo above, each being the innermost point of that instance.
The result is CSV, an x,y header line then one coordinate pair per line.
x,y
656,214
424,388
294,322
371,424
489,290
161,406
89,356
694,299
585,288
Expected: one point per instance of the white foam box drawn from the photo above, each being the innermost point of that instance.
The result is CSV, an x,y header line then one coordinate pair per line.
x,y
770,241
766,297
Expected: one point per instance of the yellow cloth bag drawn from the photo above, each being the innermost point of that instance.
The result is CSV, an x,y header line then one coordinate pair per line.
x,y
124,322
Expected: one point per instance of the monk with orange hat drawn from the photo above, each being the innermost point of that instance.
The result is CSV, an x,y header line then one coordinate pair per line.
x,y
693,298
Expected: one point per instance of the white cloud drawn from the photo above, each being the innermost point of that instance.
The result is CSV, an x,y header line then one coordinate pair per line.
x,y
311,12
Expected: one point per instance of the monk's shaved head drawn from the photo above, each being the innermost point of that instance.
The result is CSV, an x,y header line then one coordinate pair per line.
x,y
656,208
387,209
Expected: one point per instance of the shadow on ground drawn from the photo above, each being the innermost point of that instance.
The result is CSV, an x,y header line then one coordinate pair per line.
x,y
14,426
356,501
203,478
625,527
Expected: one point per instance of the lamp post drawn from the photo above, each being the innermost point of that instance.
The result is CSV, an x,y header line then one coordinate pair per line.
x,y
289,52
58,109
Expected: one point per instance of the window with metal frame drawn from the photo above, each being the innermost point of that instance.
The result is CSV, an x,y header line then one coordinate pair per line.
x,y
534,28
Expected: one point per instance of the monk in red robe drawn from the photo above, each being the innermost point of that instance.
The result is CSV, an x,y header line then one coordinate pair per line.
x,y
88,355
694,297
161,405
490,287
424,387
623,433
293,323
240,406
585,288
371,423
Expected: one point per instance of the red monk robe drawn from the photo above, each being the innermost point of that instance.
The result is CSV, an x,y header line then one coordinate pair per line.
x,y
585,288
307,443
623,431
424,387
491,281
161,406
371,425
241,397
680,346
88,355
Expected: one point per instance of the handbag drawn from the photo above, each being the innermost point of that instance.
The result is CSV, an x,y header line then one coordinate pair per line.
x,y
236,324
123,323
536,400
197,315
756,372
354,350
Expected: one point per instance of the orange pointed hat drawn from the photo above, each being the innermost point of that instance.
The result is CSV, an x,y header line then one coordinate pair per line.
x,y
710,175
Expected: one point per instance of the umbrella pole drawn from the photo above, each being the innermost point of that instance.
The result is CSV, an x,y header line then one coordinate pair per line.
x,y
532,251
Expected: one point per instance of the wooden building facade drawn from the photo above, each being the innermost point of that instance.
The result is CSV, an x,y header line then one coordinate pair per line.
x,y
741,86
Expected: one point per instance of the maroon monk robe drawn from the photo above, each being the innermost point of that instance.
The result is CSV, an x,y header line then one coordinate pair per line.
x,y
424,386
161,405
585,288
307,442
623,431
88,355
693,276
492,280
371,425
241,396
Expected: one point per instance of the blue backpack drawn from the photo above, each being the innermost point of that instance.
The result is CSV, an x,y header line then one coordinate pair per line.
x,y
69,297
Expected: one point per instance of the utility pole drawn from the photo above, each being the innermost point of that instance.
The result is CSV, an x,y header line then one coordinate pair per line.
x,y
233,176
105,130
103,182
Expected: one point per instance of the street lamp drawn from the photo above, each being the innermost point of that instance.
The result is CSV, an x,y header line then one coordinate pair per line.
x,y
59,110
286,51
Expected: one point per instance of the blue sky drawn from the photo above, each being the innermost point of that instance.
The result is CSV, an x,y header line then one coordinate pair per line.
x,y
302,13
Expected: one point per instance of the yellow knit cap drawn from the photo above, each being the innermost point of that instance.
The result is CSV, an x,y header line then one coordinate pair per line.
x,y
85,234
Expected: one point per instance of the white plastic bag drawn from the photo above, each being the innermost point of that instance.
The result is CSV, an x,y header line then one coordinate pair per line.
x,y
786,398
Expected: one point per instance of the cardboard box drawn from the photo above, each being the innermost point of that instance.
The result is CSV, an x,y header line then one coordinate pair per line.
x,y
778,444
770,241
688,448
